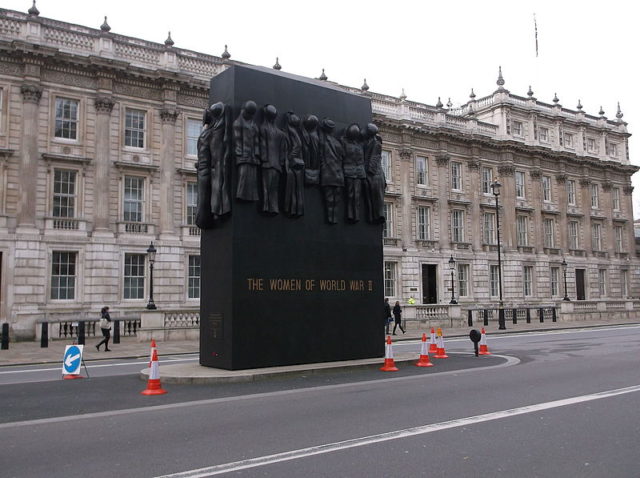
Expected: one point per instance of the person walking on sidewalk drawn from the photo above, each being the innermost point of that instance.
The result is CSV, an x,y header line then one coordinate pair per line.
x,y
397,315
387,314
105,326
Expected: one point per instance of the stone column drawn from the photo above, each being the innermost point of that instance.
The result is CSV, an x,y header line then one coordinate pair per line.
x,y
103,106
561,181
536,200
508,205
444,239
476,195
607,207
167,170
585,199
31,94
630,248
406,186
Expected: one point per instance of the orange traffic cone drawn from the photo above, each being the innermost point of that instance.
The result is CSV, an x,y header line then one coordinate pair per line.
x,y
153,384
441,353
424,355
389,364
153,347
433,348
484,348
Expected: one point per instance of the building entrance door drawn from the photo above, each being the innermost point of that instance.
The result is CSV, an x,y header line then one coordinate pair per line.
x,y
429,284
580,295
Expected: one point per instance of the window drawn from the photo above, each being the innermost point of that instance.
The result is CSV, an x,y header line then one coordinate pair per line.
x,y
66,121
134,276
488,228
456,176
133,199
63,275
193,132
555,275
520,184
624,283
134,128
615,198
546,188
568,140
591,145
549,236
521,231
543,135
424,221
516,128
573,235
463,280
602,281
387,228
193,286
386,165
192,203
494,278
457,225
596,237
571,192
618,232
612,150
594,196
422,171
390,279
487,179
64,193
527,281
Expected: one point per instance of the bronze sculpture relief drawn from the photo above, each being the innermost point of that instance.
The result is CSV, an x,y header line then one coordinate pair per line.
x,y
247,152
294,167
331,173
354,173
311,150
220,148
375,183
272,155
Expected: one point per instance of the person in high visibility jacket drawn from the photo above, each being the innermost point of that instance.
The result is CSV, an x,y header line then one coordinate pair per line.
x,y
411,301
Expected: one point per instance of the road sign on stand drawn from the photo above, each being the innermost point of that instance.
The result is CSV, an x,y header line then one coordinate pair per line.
x,y
72,360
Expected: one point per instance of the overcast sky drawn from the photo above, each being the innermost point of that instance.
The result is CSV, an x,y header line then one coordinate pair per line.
x,y
431,49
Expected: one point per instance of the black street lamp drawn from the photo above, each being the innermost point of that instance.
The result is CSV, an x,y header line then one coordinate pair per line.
x,y
151,252
564,272
452,266
495,188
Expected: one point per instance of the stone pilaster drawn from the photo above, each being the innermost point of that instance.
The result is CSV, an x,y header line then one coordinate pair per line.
x,y
607,207
442,160
31,94
585,198
167,168
561,181
473,166
536,200
627,197
406,166
508,202
104,106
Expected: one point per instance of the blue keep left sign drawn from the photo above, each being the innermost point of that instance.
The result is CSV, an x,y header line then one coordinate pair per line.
x,y
72,359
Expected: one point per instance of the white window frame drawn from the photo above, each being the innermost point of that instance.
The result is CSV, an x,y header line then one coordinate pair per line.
x,y
548,227
390,278
612,149
463,280
68,278
574,234
568,140
554,281
456,176
488,228
191,126
571,192
624,283
494,280
596,236
131,125
595,196
141,201
546,188
422,171
70,198
457,225
388,228
520,181
190,202
423,223
615,198
193,280
127,279
487,179
591,145
67,121
527,281
618,234
522,230
543,134
387,165
602,282
517,128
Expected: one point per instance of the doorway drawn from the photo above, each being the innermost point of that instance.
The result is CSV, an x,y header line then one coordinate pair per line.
x,y
429,284
580,295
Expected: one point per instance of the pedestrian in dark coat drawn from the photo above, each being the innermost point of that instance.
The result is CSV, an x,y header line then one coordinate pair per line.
x,y
105,327
397,315
387,314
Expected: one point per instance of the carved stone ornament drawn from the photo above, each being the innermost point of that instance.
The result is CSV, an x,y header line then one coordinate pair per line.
x,y
104,104
405,154
506,170
168,115
474,164
561,178
442,159
536,173
585,182
31,93
627,190
606,186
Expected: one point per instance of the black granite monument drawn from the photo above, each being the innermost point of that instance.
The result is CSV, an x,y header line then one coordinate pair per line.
x,y
284,278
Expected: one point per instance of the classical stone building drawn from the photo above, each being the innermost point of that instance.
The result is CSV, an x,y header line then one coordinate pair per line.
x,y
97,155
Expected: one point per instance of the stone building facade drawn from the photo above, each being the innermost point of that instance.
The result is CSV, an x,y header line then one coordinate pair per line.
x,y
97,160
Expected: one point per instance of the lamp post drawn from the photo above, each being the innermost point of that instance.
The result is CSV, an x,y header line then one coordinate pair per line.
x,y
564,273
151,254
452,266
495,188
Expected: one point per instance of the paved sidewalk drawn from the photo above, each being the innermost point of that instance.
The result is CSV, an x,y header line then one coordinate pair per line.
x,y
25,353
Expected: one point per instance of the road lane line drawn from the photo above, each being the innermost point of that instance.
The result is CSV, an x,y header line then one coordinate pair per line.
x,y
394,435
211,401
90,365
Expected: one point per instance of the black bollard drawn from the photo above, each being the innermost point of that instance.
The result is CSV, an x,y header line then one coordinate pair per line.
x,y
44,335
116,331
5,336
81,333
486,317
475,337
470,318
528,316
554,317
515,316
541,312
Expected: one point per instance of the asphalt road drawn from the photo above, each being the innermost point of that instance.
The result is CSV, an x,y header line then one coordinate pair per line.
x,y
559,404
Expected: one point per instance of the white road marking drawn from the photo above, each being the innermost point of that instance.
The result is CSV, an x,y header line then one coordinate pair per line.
x,y
211,401
394,435
91,365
